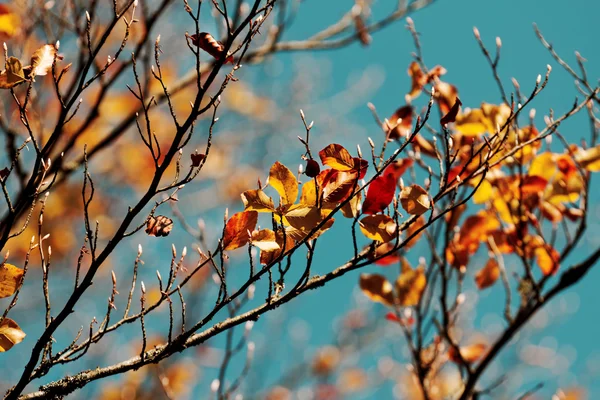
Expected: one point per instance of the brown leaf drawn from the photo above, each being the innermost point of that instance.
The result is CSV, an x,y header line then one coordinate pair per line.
x,y
284,182
10,334
412,229
236,229
377,288
488,275
197,159
159,226
338,186
42,60
379,227
10,279
400,123
265,240
415,200
208,43
301,234
257,200
302,217
14,71
451,115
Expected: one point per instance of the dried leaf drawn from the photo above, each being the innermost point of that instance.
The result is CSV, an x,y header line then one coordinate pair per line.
x,y
284,182
379,227
236,229
337,157
410,286
488,275
451,115
10,279
10,334
533,184
257,200
380,194
377,288
412,229
14,71
42,60
268,257
381,250
415,200
265,240
208,43
197,159
400,123
159,226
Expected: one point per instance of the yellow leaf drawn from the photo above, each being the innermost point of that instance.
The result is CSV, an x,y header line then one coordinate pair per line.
x,y
377,288
257,200
543,165
309,193
471,123
301,234
379,227
484,193
10,334
10,279
589,158
9,21
337,157
302,217
284,182
410,286
415,200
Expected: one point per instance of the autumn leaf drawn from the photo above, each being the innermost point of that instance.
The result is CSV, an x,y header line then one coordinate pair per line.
x,y
337,157
350,209
379,194
385,260
338,186
470,353
410,285
533,184
415,200
400,123
301,234
451,115
10,279
9,22
379,227
589,158
412,230
547,259
212,46
284,182
398,168
265,240
42,60
257,200
303,217
488,275
10,334
159,226
377,288
236,229
14,71
267,257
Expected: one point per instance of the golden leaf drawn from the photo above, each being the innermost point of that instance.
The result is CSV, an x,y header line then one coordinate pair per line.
x,y
257,200
284,182
410,286
265,240
10,334
10,279
379,227
377,288
488,275
415,200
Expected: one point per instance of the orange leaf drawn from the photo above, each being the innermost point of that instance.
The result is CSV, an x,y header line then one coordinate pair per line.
x,y
10,279
265,240
547,259
209,44
412,228
337,157
470,353
488,275
377,288
236,229
338,185
410,286
533,184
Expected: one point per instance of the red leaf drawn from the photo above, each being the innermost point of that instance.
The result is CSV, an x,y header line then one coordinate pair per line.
x,y
380,194
361,166
398,168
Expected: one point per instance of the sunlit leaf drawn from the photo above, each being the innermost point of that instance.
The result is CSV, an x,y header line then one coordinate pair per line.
x,y
410,286
236,229
337,157
284,182
10,334
533,184
547,259
379,227
268,257
303,217
350,209
488,275
415,200
338,186
484,192
470,353
589,158
257,200
380,194
42,60
377,288
10,279
301,234
265,240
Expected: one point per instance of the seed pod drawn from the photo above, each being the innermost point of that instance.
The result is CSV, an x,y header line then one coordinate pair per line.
x,y
312,168
159,226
